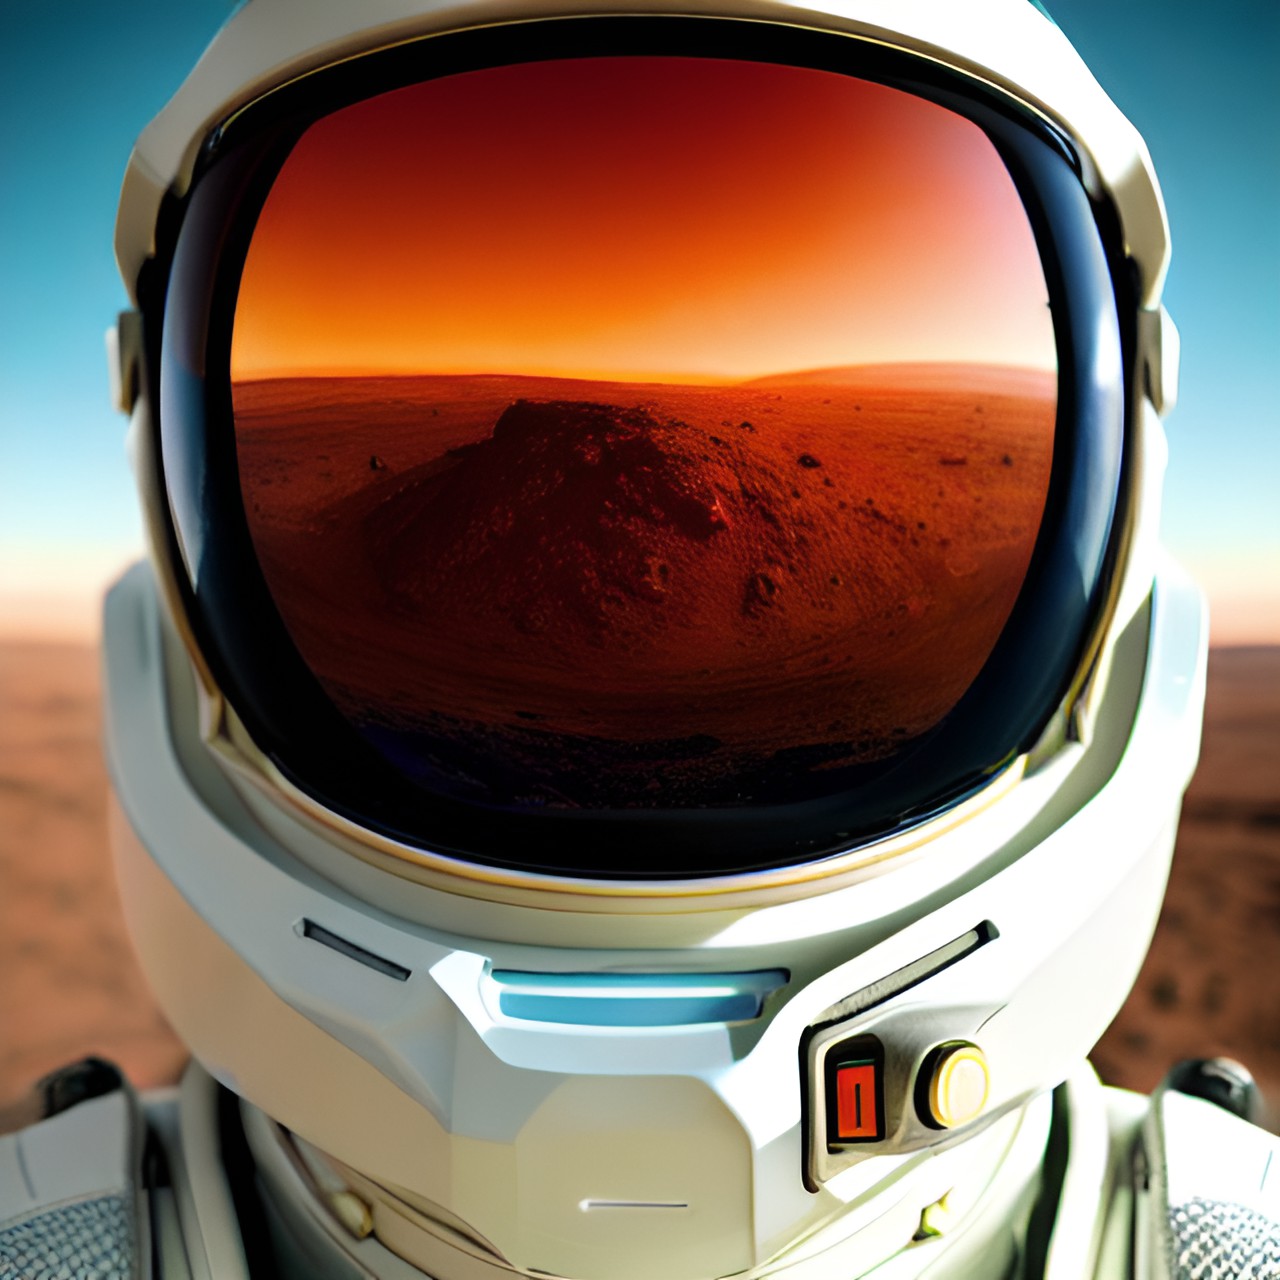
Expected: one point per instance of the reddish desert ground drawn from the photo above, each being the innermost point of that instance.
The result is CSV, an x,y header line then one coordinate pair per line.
x,y
663,588
69,985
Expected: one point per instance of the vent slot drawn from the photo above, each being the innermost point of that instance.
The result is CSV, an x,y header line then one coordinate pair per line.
x,y
353,951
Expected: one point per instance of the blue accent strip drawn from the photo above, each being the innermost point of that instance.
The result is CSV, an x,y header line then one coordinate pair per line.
x,y
635,999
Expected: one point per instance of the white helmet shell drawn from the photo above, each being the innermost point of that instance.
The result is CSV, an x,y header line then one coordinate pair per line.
x,y
603,1077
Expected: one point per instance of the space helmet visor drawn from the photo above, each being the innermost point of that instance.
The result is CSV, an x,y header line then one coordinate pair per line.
x,y
638,443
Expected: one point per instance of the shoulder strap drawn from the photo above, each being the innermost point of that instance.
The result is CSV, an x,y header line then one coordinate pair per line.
x,y
71,1197
1208,1192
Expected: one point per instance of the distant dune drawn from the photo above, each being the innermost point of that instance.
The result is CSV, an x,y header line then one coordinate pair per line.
x,y
987,379
69,984
902,375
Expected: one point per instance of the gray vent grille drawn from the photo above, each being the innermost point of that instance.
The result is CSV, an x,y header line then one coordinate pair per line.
x,y
87,1240
1214,1240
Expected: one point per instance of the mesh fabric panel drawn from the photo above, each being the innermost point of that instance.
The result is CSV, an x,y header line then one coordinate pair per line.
x,y
1215,1240
87,1240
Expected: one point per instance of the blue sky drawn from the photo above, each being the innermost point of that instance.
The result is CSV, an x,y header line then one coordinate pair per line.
x,y
78,80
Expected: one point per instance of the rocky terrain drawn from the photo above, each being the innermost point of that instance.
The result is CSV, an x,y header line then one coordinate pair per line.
x,y
666,590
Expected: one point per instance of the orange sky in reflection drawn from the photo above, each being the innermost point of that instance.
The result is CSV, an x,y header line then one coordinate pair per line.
x,y
640,218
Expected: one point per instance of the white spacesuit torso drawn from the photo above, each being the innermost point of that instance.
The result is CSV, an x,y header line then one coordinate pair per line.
x,y
189,1183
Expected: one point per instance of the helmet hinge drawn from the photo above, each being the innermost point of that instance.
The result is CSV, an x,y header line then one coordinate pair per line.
x,y
124,359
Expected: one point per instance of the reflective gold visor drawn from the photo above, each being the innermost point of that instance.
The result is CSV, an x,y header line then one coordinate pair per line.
x,y
626,432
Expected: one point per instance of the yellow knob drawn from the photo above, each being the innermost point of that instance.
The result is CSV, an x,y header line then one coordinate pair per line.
x,y
959,1084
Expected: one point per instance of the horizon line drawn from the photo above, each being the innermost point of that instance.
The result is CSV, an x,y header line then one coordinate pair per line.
x,y
650,378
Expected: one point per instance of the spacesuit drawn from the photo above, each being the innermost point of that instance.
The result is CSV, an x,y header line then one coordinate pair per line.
x,y
649,739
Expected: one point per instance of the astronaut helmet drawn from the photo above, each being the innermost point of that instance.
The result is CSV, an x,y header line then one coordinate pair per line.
x,y
650,736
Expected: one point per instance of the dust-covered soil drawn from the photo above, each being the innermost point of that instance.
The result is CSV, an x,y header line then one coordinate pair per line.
x,y
1211,983
69,984
668,590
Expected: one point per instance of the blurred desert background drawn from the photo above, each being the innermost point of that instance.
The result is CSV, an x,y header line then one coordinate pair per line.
x,y
69,984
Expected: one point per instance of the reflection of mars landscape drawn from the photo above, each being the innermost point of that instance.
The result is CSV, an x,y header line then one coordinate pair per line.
x,y
69,986
690,585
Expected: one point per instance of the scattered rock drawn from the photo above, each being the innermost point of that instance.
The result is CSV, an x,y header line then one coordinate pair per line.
x,y
1164,992
761,592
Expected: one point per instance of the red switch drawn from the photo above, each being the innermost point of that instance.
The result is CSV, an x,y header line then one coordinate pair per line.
x,y
853,1089
857,1102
